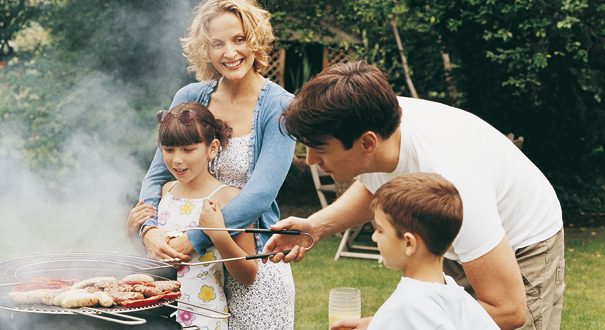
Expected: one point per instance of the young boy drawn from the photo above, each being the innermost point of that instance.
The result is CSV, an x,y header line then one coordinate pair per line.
x,y
417,218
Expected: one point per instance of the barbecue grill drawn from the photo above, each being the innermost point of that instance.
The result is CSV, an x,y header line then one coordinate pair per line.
x,y
82,266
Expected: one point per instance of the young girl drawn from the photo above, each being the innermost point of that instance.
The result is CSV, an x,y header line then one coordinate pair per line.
x,y
190,138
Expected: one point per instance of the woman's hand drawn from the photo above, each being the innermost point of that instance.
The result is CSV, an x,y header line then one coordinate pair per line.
x,y
181,244
156,243
137,216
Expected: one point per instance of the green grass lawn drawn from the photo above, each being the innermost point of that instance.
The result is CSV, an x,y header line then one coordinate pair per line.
x,y
584,305
318,273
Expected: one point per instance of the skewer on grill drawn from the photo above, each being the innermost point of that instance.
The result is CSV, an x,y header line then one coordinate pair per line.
x,y
179,233
10,284
199,310
178,262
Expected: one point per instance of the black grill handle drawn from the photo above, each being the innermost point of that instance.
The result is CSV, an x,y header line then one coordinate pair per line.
x,y
263,230
266,255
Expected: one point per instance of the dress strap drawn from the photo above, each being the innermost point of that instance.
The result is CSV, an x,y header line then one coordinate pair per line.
x,y
216,190
173,184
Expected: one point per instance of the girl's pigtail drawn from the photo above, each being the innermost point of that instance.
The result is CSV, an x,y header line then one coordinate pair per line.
x,y
223,132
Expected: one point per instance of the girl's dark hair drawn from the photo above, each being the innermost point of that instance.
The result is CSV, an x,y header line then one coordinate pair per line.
x,y
204,129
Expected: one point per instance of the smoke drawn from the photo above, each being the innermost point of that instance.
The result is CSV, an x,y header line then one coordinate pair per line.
x,y
81,203
78,200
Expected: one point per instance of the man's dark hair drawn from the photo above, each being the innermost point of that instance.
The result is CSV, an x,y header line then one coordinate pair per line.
x,y
343,101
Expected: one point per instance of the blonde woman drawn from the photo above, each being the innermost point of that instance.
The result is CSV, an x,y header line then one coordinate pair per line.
x,y
227,48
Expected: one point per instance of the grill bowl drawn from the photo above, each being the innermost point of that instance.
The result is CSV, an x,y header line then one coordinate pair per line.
x,y
79,266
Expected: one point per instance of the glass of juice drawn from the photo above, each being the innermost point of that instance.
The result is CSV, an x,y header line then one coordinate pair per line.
x,y
344,303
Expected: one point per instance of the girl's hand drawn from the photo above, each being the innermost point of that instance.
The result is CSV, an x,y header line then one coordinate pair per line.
x,y
137,216
211,215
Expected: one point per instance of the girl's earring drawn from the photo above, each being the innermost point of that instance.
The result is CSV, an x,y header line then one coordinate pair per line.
x,y
212,166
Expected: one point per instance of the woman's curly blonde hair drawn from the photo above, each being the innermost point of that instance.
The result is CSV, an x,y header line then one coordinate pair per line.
x,y
257,29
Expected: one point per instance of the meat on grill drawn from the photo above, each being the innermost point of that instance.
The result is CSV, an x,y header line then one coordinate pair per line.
x,y
171,286
101,291
137,278
30,297
105,300
95,281
75,298
146,290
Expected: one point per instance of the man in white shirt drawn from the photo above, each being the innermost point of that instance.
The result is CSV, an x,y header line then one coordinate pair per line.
x,y
510,246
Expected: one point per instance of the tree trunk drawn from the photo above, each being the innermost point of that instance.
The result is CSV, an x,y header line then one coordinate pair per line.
x,y
452,90
404,61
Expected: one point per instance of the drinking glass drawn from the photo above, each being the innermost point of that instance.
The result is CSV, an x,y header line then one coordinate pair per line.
x,y
344,303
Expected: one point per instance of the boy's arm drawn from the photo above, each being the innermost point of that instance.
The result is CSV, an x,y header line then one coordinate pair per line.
x,y
496,280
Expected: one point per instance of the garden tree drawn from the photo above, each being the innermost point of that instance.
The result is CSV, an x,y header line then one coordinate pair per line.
x,y
404,60
14,16
123,55
130,40
536,68
370,21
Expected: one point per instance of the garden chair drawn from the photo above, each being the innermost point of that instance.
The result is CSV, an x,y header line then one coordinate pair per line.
x,y
354,242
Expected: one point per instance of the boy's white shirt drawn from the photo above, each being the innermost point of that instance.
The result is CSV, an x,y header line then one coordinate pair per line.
x,y
424,305
503,193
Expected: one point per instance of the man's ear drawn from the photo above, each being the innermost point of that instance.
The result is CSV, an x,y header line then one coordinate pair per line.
x,y
368,141
213,148
409,244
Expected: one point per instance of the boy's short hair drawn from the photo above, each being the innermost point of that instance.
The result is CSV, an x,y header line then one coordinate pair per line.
x,y
425,204
344,101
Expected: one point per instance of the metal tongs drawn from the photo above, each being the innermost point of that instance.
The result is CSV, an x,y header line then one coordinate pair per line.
x,y
179,233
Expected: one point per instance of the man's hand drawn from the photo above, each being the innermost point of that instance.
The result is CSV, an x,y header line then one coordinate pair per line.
x,y
353,324
137,216
295,243
156,243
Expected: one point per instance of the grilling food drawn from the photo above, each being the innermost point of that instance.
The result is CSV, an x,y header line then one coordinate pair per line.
x,y
75,298
95,281
135,290
42,283
30,297
137,278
